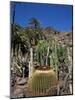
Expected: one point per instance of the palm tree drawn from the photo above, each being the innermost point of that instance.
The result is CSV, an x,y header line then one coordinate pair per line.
x,y
34,22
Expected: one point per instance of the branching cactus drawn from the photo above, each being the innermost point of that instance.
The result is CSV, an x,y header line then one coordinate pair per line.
x,y
42,81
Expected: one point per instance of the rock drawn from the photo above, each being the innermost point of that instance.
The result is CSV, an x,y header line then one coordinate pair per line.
x,y
18,93
22,81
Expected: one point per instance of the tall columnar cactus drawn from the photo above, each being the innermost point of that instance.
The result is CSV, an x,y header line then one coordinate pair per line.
x,y
42,81
62,52
41,52
53,55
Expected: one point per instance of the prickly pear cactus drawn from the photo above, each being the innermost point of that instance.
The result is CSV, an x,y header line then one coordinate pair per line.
x,y
42,81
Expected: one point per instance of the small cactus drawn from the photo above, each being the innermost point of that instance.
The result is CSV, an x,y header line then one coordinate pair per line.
x,y
42,81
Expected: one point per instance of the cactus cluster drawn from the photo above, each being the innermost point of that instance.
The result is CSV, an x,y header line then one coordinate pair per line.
x,y
42,81
46,52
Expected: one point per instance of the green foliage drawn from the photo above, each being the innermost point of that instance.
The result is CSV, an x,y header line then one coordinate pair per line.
x,y
24,38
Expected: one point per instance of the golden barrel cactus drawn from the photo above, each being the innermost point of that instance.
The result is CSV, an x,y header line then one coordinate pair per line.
x,y
43,82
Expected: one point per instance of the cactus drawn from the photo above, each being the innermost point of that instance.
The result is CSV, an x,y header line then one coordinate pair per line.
x,y
41,51
42,81
62,52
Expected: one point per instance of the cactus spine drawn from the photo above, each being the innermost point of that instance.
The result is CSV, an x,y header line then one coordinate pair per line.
x,y
41,81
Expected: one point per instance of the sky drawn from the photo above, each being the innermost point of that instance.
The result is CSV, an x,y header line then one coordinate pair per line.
x,y
57,16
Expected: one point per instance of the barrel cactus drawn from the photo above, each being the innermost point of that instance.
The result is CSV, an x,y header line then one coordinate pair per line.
x,y
42,82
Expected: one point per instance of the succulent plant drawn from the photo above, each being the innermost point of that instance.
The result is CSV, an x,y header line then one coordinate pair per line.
x,y
42,81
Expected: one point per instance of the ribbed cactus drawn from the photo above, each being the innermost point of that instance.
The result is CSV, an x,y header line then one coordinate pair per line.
x,y
42,81
41,52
